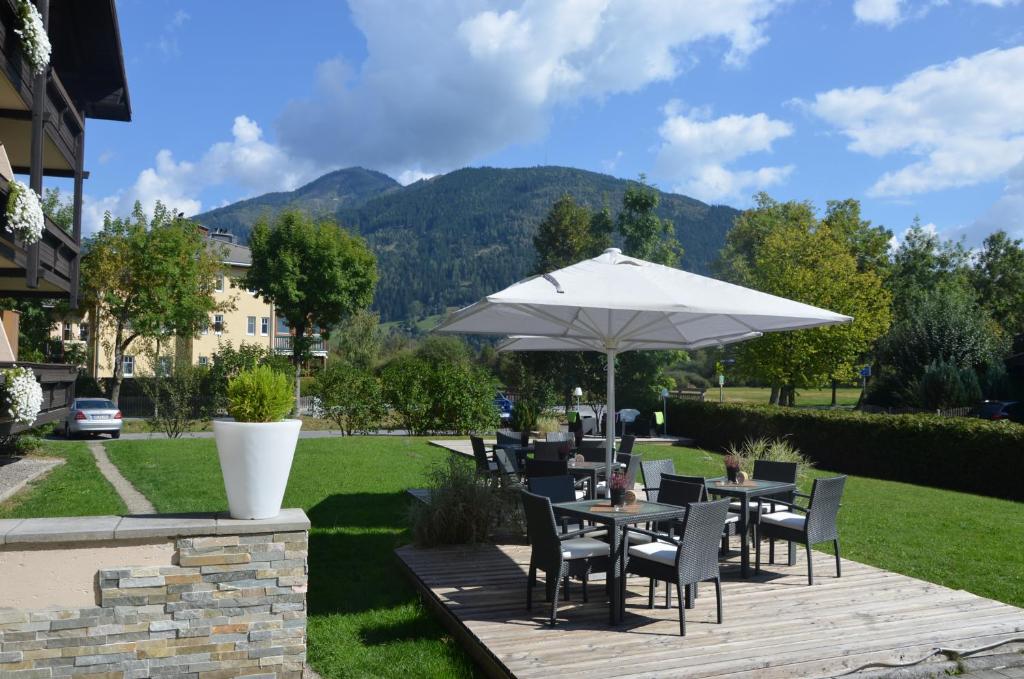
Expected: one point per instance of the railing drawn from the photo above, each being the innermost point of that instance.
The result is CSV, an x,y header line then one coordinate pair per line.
x,y
58,383
57,252
283,344
966,411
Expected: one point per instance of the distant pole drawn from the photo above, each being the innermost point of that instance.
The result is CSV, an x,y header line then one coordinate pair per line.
x,y
664,411
721,388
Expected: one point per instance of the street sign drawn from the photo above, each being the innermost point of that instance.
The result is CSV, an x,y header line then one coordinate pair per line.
x,y
865,371
721,380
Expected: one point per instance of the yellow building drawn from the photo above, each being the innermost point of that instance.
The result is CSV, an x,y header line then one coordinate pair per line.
x,y
250,321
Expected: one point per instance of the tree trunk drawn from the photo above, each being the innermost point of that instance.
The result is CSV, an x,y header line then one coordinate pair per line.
x,y
118,372
773,398
300,331
834,392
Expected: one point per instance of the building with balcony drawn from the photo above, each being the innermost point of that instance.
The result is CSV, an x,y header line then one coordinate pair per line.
x,y
42,128
250,321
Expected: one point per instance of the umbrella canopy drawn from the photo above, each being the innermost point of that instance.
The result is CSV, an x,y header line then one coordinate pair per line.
x,y
614,303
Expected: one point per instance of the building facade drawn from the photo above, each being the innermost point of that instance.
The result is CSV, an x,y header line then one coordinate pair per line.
x,y
249,320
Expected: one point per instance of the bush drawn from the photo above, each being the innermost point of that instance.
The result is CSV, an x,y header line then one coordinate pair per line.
x,y
16,445
464,507
774,450
349,396
959,453
440,396
179,399
523,416
260,394
228,362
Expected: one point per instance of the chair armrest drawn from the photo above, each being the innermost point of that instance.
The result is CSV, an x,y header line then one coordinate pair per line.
x,y
657,536
799,494
773,501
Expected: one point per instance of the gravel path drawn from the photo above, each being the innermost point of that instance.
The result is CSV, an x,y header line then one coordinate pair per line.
x,y
16,474
136,501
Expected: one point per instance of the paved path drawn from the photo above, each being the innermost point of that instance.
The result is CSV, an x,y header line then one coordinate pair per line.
x,y
136,501
16,474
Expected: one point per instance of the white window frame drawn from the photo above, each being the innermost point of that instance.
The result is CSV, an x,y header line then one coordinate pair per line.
x,y
218,319
250,326
83,332
126,361
264,326
204,360
219,283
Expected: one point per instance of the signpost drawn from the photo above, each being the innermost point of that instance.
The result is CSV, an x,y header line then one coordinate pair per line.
x,y
721,388
865,373
664,411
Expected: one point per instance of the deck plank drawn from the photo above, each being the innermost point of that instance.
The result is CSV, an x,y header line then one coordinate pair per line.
x,y
775,624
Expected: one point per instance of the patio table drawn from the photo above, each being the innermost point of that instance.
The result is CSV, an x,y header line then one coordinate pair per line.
x,y
590,471
751,489
601,512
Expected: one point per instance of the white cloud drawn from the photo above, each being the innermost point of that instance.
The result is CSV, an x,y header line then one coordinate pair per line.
x,y
896,242
167,42
447,83
886,12
964,120
609,164
407,177
1007,213
247,162
696,149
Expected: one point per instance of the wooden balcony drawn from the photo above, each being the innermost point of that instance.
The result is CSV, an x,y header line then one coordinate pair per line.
x,y
58,252
58,382
283,345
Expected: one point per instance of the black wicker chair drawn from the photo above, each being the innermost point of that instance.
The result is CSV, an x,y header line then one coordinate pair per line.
x,y
732,521
507,439
506,462
592,451
652,470
626,445
560,556
559,436
537,468
483,464
818,524
548,450
770,470
685,562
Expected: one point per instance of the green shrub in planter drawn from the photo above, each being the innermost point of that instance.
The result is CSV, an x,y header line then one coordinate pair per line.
x,y
260,394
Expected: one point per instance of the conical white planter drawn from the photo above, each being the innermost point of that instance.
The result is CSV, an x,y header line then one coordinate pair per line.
x,y
255,460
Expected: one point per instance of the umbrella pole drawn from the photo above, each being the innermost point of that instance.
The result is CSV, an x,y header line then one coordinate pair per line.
x,y
609,443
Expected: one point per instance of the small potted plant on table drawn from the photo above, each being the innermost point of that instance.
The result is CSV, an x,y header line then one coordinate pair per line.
x,y
732,467
256,449
618,490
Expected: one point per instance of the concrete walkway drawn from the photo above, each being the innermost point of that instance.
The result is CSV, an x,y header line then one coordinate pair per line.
x,y
136,501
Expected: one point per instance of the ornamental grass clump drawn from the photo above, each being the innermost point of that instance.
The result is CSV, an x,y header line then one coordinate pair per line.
x,y
260,394
24,213
23,396
774,450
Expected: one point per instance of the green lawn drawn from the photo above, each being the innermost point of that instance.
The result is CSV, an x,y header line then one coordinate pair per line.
x,y
954,539
75,488
845,396
365,619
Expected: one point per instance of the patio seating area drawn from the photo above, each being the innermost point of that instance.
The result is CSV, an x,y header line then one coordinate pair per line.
x,y
774,625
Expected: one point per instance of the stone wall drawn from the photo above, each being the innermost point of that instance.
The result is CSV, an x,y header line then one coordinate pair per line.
x,y
231,604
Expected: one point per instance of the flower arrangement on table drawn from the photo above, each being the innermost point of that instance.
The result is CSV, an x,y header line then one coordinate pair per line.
x,y
24,213
732,466
35,43
618,489
23,396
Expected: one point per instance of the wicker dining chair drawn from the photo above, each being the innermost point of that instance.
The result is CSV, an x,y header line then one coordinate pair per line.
x,y
559,555
686,561
483,465
506,462
732,521
507,438
809,526
548,450
537,468
652,471
626,444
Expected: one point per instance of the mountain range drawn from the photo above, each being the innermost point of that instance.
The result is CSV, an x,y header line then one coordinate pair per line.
x,y
451,239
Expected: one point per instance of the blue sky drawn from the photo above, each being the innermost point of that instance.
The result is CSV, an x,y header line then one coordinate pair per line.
x,y
915,107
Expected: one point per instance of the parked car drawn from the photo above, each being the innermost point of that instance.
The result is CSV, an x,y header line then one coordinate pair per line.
x,y
504,406
1002,410
93,416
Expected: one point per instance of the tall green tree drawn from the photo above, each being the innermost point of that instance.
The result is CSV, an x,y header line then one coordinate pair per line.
x,y
998,278
569,233
359,340
148,278
922,263
644,234
316,274
784,250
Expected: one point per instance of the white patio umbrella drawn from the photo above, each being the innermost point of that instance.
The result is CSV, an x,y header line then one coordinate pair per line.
x,y
615,303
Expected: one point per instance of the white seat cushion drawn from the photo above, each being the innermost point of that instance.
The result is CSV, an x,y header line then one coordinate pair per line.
x,y
662,552
634,538
583,548
787,519
732,518
766,505
581,494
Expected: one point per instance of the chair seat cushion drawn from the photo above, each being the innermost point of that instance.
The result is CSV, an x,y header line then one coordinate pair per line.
x,y
766,505
633,537
732,518
583,548
661,552
581,494
786,519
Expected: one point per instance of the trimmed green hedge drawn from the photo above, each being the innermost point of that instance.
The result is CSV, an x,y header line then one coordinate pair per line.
x,y
959,453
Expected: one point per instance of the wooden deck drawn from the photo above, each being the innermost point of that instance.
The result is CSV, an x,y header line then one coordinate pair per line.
x,y
775,625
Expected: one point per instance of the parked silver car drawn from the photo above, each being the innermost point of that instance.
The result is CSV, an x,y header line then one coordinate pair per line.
x,y
93,416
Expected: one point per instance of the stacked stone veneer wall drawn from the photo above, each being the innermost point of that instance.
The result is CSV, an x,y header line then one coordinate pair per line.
x,y
228,605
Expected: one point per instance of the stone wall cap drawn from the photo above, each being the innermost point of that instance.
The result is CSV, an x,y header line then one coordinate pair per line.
x,y
100,528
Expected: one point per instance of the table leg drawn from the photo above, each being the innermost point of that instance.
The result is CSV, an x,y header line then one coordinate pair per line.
x,y
744,540
614,572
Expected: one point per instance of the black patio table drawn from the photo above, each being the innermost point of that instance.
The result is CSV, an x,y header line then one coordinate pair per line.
x,y
590,471
601,512
751,489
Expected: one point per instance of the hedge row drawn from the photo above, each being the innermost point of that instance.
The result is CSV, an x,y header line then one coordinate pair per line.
x,y
959,453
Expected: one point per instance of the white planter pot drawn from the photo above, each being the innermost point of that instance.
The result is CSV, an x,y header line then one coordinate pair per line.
x,y
255,460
